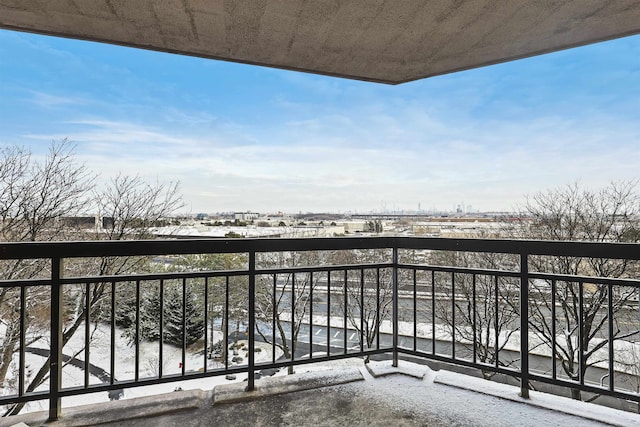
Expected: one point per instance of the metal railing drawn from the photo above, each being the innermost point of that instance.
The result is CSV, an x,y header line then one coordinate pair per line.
x,y
386,295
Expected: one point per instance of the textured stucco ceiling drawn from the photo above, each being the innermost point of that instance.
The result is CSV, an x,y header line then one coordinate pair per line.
x,y
390,41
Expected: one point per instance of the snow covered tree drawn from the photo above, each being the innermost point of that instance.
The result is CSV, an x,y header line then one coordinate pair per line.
x,y
237,290
192,323
610,214
150,310
150,314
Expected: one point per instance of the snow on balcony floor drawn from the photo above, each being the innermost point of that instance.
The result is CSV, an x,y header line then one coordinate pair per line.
x,y
410,395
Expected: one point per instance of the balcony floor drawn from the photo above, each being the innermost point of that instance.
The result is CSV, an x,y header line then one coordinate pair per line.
x,y
411,395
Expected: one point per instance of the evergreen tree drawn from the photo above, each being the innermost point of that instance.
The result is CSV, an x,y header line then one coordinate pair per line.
x,y
193,320
150,310
125,311
173,317
150,317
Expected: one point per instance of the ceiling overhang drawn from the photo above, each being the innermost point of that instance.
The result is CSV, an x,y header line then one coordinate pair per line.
x,y
388,41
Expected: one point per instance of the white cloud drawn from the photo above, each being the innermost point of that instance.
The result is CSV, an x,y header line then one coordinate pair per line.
x,y
47,100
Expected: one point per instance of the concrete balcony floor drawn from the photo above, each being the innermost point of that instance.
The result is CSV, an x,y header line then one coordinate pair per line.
x,y
375,395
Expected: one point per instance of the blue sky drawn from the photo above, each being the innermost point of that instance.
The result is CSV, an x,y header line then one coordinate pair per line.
x,y
241,137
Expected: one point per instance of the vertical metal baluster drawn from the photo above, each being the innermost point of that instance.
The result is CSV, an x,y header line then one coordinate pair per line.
x,y
87,332
161,340
362,310
226,324
273,320
137,354
581,332
293,314
345,312
184,326
112,348
524,325
495,324
252,322
394,255
21,362
475,319
554,370
453,315
433,312
328,313
311,315
610,334
206,321
55,365
378,308
415,311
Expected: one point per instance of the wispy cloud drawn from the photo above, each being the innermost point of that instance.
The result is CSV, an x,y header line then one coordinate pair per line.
x,y
327,163
47,100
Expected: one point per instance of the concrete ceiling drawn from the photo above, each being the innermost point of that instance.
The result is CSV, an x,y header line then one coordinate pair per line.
x,y
389,41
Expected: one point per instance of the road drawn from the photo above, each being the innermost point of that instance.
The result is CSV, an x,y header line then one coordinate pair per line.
x,y
627,319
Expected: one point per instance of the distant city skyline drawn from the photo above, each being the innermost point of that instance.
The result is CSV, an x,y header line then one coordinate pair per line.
x,y
241,137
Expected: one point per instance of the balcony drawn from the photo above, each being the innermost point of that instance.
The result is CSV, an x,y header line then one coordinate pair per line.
x,y
492,308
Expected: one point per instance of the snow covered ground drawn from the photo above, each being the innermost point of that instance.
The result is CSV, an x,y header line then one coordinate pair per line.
x,y
125,365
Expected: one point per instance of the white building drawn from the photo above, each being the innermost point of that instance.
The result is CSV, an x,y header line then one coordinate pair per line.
x,y
245,216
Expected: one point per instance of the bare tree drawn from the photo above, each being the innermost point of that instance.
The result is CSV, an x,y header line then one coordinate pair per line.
x,y
130,207
484,307
38,195
367,293
35,194
285,297
611,214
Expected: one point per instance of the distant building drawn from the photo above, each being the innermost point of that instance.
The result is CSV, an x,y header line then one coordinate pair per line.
x,y
245,216
79,221
108,222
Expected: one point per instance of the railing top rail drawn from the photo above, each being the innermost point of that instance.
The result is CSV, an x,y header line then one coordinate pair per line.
x,y
99,248
629,251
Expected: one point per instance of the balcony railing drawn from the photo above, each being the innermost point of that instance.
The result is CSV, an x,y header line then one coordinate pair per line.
x,y
355,297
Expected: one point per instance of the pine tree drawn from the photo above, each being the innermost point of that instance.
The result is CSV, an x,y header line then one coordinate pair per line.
x,y
150,317
125,312
173,317
150,309
194,317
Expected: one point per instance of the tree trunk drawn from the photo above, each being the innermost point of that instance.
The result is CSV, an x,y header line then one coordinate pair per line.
x,y
8,349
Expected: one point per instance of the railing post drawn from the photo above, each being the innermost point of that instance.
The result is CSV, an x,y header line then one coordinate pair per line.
x,y
252,321
55,361
524,325
395,305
